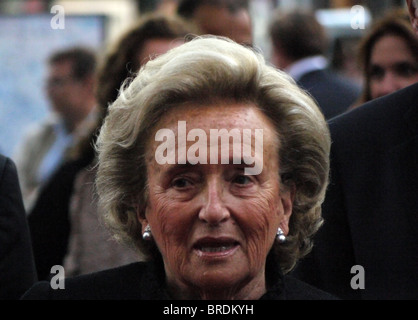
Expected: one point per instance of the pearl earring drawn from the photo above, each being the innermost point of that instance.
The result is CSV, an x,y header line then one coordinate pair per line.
x,y
147,233
280,235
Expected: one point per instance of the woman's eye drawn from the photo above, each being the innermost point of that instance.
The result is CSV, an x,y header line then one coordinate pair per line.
x,y
181,183
377,72
242,179
406,69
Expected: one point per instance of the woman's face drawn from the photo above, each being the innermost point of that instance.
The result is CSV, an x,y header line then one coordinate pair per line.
x,y
392,66
213,224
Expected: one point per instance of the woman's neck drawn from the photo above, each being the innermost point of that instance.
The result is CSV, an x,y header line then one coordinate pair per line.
x,y
252,290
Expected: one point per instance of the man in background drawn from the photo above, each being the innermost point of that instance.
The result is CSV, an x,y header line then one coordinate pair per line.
x,y
368,245
299,47
228,18
70,90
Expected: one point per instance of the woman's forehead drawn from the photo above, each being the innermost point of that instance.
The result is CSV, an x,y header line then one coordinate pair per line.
x,y
215,115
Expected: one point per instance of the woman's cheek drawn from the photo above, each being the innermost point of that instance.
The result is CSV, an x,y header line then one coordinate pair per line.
x,y
175,225
258,214
258,219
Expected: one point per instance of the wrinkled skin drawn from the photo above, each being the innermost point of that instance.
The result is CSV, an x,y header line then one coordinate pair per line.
x,y
214,225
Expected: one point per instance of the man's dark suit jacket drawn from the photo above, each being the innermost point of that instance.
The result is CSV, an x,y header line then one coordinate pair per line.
x,y
49,219
17,268
371,207
333,93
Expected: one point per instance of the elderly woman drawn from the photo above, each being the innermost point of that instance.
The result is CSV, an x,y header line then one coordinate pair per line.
x,y
214,165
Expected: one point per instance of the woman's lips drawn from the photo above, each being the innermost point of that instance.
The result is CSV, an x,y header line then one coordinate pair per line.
x,y
215,247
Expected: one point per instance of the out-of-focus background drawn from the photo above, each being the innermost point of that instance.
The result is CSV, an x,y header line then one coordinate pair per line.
x,y
31,29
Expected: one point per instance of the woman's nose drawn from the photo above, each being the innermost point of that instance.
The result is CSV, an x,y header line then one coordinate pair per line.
x,y
214,211
389,84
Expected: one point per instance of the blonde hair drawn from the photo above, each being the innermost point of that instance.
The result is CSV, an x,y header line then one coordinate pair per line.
x,y
201,71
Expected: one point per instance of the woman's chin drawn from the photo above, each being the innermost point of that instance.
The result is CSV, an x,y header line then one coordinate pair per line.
x,y
219,284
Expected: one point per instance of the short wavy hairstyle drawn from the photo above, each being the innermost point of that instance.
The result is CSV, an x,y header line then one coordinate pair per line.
x,y
204,70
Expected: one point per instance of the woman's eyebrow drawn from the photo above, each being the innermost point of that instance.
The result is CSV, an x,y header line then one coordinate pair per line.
x,y
176,168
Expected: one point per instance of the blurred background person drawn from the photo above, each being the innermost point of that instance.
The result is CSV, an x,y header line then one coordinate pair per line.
x,y
388,56
228,18
154,34
17,266
370,208
66,210
70,90
299,47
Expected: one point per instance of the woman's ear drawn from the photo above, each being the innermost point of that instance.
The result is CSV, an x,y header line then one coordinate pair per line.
x,y
287,198
141,216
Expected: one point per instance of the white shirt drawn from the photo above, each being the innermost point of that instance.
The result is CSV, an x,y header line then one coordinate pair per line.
x,y
55,155
63,141
305,65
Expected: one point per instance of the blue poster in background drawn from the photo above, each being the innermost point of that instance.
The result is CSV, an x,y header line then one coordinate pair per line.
x,y
25,45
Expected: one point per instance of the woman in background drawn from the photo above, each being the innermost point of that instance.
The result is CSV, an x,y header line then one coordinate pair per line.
x,y
388,56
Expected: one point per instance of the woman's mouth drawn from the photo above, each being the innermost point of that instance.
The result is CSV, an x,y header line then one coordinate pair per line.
x,y
215,247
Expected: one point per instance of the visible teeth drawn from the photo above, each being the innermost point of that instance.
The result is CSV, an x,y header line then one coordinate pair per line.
x,y
216,249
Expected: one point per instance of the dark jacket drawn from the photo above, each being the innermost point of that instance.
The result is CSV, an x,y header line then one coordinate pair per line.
x,y
371,207
333,93
17,268
49,219
145,281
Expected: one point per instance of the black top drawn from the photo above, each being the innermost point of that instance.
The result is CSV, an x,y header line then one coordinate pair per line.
x,y
17,267
145,281
49,219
